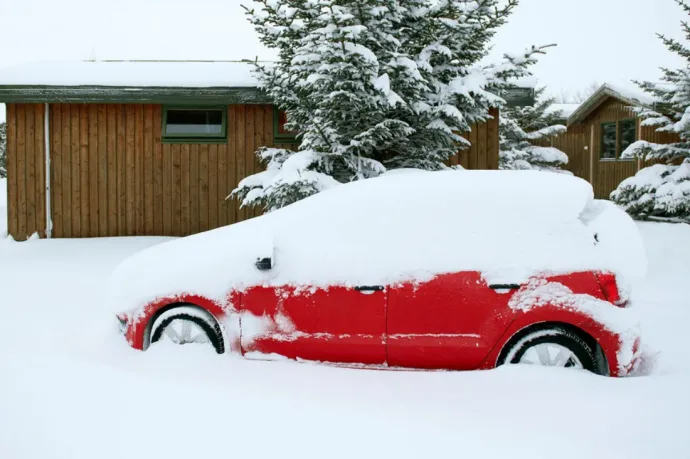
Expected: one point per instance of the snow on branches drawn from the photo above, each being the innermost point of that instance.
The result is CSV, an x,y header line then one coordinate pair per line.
x,y
663,190
372,85
521,129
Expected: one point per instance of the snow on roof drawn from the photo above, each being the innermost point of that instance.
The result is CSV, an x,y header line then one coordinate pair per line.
x,y
506,224
628,95
565,109
180,74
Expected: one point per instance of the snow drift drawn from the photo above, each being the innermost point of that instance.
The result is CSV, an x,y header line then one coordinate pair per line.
x,y
395,228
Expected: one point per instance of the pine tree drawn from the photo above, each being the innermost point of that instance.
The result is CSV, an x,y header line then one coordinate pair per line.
x,y
3,150
372,85
671,194
521,129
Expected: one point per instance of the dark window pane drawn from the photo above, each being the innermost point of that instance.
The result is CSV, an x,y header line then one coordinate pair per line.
x,y
193,123
627,134
608,141
282,119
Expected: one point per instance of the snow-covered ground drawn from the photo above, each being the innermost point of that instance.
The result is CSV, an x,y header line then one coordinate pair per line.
x,y
3,208
70,387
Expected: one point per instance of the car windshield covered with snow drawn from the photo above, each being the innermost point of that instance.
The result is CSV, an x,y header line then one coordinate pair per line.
x,y
371,240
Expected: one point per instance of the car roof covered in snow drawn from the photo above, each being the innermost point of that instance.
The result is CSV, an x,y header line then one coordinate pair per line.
x,y
405,227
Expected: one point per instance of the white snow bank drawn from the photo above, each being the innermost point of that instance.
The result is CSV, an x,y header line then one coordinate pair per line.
x,y
395,228
3,208
76,388
190,74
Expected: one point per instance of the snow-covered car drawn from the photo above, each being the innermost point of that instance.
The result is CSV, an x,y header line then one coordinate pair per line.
x,y
437,270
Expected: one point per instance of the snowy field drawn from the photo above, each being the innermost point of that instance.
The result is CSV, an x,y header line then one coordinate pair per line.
x,y
70,387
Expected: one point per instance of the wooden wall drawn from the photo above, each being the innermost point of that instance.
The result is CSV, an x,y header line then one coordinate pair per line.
x,y
483,154
26,170
111,175
582,143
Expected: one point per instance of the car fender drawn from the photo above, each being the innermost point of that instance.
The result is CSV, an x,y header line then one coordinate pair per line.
x,y
610,342
139,324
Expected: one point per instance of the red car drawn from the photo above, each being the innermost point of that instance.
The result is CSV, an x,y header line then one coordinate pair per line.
x,y
383,273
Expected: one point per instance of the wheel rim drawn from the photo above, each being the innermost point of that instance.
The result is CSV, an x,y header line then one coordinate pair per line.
x,y
551,355
181,331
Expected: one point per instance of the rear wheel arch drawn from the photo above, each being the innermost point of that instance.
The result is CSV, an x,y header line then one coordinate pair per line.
x,y
524,332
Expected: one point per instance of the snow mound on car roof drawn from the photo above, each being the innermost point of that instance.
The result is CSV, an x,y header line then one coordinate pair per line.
x,y
399,227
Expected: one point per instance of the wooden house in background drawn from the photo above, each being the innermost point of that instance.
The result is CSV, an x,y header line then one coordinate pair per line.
x,y
599,130
116,148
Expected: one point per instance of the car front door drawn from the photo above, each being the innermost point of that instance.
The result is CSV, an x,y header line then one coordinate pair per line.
x,y
334,324
451,321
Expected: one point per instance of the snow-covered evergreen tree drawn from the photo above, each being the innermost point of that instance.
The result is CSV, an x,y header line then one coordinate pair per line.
x,y
671,196
373,84
521,130
3,150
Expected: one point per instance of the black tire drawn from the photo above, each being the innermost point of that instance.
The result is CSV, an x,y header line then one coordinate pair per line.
x,y
209,325
586,354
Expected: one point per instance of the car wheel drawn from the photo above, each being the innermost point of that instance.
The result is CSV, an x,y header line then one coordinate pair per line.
x,y
188,325
552,347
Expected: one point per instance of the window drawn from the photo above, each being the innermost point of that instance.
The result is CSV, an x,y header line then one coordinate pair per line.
x,y
608,141
627,134
280,134
192,124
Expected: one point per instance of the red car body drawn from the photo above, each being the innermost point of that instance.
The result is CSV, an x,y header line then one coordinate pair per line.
x,y
454,321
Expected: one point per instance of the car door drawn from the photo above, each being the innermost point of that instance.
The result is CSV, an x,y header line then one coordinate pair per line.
x,y
451,321
333,324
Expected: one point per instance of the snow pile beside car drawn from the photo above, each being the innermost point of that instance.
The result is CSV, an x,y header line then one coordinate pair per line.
x,y
399,227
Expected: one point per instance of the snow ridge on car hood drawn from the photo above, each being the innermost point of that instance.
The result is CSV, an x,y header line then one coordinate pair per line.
x,y
396,228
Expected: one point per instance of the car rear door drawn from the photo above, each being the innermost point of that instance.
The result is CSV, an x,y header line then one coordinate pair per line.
x,y
451,321
334,324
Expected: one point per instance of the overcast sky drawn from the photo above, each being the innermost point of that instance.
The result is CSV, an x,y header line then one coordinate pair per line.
x,y
598,40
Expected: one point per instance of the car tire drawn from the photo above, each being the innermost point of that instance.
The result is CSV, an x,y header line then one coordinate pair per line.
x,y
201,326
552,346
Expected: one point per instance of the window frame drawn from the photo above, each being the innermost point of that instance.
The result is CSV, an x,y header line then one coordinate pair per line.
x,y
601,139
619,138
279,137
199,138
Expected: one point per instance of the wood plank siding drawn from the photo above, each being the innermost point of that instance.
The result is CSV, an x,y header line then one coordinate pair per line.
x,y
111,174
582,144
25,170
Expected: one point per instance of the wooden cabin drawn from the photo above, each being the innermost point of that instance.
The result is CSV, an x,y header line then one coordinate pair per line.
x,y
144,148
599,130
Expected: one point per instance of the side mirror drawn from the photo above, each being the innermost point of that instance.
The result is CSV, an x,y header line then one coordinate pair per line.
x,y
264,264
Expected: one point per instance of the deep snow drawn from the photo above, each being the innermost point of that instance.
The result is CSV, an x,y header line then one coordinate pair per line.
x,y
70,387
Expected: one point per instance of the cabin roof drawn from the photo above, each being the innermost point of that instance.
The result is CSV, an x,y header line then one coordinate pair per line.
x,y
634,98
131,82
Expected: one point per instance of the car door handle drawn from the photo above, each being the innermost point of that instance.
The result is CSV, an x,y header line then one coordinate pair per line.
x,y
505,286
369,288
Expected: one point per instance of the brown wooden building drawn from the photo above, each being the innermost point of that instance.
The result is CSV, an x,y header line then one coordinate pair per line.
x,y
144,148
599,130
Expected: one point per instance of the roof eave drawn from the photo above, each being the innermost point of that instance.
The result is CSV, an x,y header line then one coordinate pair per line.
x,y
131,95
595,101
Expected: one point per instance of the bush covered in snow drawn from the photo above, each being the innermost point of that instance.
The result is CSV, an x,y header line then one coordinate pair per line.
x,y
522,128
663,190
374,85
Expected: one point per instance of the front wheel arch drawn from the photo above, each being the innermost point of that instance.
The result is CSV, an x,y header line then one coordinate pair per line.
x,y
602,361
210,319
